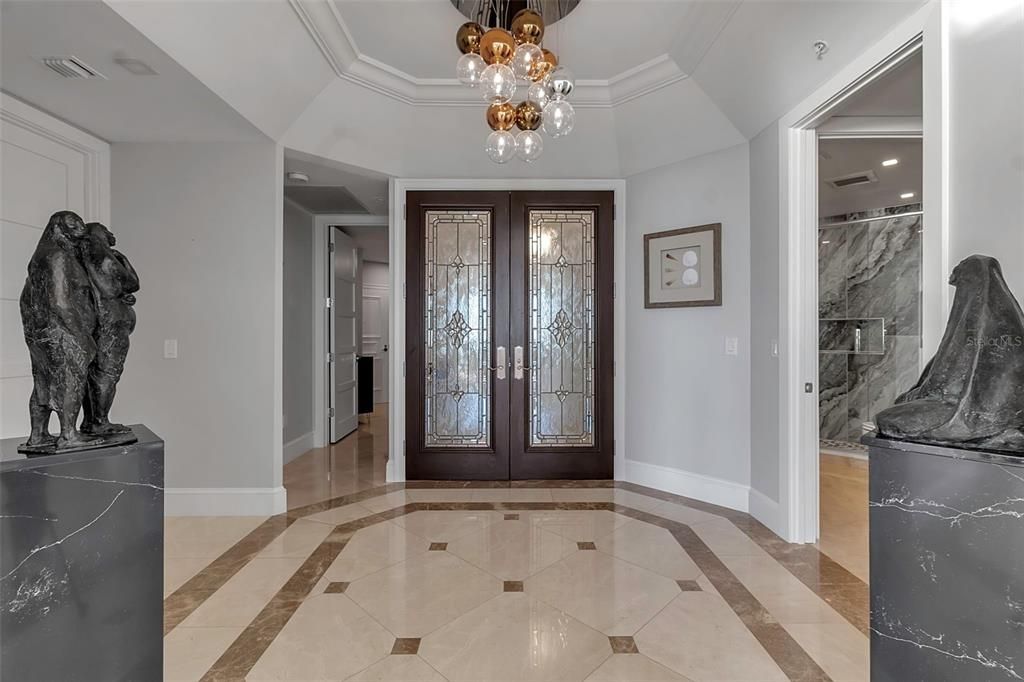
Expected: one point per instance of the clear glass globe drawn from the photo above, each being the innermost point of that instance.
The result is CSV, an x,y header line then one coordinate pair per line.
x,y
524,58
501,146
559,118
563,82
469,69
497,84
539,92
529,145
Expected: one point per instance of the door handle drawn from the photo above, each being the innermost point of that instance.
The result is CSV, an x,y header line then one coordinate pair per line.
x,y
518,368
500,362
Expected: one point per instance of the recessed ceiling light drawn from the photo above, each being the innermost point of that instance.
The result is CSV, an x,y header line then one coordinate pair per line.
x,y
907,195
890,162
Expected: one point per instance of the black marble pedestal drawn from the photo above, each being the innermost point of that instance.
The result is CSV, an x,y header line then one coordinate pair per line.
x,y
81,563
947,563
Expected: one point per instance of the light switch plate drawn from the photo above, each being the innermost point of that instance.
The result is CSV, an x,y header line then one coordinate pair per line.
x,y
775,348
732,345
170,348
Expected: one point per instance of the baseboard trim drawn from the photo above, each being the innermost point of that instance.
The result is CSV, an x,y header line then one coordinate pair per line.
x,y
225,501
698,486
298,446
765,510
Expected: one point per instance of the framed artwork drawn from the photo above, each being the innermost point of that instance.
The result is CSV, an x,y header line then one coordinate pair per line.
x,y
683,268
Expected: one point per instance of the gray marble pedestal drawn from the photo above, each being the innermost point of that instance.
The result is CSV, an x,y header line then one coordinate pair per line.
x,y
81,563
947,563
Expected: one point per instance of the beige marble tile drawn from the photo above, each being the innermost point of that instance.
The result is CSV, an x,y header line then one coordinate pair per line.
x,y
299,540
606,593
327,638
798,606
245,594
189,652
638,501
512,495
651,547
583,494
415,597
514,637
511,550
578,526
373,548
385,502
339,515
725,539
700,637
633,668
398,669
205,536
684,514
177,571
840,649
446,526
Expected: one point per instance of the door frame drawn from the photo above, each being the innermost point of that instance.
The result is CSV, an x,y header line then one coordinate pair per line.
x,y
796,518
398,187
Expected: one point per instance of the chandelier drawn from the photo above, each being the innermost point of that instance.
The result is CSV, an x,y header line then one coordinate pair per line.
x,y
497,61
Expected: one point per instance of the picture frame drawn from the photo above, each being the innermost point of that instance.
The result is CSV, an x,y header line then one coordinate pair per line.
x,y
683,267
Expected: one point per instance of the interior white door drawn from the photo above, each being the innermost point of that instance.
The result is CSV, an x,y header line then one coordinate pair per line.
x,y
376,301
46,168
343,316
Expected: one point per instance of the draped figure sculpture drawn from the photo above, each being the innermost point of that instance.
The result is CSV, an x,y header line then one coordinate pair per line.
x,y
76,315
971,394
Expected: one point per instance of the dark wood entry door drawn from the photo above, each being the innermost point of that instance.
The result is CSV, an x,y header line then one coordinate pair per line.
x,y
509,324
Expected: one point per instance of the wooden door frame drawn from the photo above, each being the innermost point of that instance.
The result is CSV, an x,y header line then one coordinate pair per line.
x,y
398,187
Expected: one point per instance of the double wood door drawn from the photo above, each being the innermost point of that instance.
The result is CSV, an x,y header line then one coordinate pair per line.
x,y
509,371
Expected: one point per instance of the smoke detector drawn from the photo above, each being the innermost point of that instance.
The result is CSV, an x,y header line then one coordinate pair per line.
x,y
296,176
853,179
71,67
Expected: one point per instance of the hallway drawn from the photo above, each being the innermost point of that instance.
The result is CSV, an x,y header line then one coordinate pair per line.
x,y
553,581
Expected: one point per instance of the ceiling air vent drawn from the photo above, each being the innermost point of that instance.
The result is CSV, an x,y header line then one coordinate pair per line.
x,y
853,179
71,67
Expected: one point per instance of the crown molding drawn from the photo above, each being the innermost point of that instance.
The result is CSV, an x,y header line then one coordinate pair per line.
x,y
328,31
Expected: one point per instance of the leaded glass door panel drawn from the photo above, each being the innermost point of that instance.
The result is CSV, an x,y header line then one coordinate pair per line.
x,y
457,330
509,335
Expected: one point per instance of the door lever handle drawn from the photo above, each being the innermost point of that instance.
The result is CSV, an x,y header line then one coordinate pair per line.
x,y
518,368
500,362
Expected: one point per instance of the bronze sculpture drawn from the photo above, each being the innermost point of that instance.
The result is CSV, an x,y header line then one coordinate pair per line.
x,y
76,314
971,394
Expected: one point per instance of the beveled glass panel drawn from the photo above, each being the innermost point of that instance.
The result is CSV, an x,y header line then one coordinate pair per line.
x,y
458,328
561,298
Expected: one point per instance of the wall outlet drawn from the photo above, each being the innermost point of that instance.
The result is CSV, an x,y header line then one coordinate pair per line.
x,y
732,345
170,348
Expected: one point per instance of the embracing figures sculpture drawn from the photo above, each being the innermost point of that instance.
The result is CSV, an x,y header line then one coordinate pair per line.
x,y
76,310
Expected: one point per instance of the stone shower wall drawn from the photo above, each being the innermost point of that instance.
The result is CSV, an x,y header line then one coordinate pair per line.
x,y
869,278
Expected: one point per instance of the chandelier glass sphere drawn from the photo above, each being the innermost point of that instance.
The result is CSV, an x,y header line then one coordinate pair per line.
x,y
501,146
496,60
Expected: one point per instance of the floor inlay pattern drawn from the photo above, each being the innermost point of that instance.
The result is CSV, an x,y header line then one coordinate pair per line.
x,y
517,588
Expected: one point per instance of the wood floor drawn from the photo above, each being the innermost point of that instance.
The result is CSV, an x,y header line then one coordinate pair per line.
x,y
844,512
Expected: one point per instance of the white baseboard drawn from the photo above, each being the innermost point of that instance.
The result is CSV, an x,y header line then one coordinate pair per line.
x,y
765,510
698,486
298,446
225,501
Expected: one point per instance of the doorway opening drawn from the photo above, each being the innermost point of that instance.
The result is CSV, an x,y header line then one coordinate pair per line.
x,y
509,335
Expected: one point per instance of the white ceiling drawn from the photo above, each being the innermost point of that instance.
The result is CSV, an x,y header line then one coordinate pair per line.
x,y
369,83
372,240
844,157
898,93
369,189
172,105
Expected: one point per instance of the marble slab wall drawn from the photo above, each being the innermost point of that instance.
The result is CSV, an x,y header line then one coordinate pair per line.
x,y
947,571
869,279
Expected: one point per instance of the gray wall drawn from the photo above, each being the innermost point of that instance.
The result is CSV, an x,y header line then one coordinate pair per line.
x,y
764,312
688,404
200,222
297,363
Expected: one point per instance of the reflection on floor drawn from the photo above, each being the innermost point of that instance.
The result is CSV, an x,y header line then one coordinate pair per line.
x,y
354,463
559,580
843,503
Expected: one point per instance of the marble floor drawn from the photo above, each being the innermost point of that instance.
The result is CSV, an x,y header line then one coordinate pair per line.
x,y
560,581
843,509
